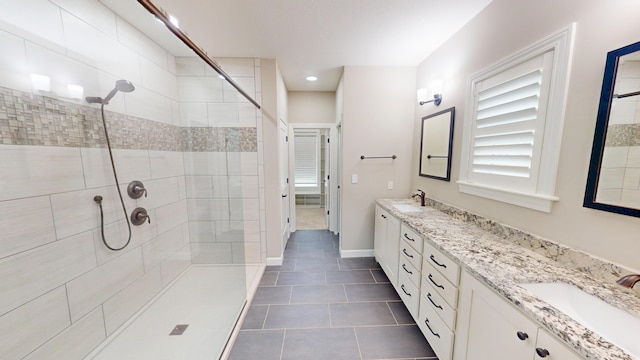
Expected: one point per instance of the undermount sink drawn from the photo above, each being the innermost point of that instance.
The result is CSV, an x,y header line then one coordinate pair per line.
x,y
619,327
406,207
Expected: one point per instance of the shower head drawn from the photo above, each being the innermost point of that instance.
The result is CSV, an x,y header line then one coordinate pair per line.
x,y
121,85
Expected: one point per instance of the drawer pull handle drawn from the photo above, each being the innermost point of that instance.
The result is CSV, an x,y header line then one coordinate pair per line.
x,y
426,322
408,238
437,263
434,304
435,283
405,291
407,270
406,253
542,352
383,216
522,335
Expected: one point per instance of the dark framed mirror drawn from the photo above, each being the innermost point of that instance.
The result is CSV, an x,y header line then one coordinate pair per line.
x,y
613,183
436,140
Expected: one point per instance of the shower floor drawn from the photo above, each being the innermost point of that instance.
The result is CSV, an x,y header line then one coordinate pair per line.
x,y
206,297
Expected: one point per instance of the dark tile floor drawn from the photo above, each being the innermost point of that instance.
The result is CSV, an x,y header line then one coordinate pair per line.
x,y
318,306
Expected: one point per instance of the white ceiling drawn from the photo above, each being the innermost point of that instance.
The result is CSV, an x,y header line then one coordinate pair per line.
x,y
318,37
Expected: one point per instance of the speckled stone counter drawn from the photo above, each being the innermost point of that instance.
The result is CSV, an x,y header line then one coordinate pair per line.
x,y
503,257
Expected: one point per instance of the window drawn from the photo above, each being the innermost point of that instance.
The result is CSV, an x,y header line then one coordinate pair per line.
x,y
307,161
512,135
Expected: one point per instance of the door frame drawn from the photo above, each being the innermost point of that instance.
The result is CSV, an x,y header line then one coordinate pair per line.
x,y
333,178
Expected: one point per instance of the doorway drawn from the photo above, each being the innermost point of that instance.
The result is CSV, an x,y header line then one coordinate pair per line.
x,y
310,171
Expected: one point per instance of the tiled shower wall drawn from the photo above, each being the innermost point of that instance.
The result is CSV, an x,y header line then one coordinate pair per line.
x,y
62,291
620,173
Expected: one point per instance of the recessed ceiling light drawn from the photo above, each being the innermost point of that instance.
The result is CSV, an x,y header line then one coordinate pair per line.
x,y
311,78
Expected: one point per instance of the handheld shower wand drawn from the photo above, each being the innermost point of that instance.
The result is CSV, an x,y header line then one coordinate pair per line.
x,y
124,86
121,85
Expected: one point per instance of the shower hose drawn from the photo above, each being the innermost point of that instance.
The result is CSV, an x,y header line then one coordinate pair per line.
x,y
98,198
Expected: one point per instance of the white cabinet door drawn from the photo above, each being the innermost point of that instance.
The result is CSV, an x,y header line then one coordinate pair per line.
x,y
489,328
386,241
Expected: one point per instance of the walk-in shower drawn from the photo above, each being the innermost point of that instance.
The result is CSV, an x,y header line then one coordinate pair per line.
x,y
124,86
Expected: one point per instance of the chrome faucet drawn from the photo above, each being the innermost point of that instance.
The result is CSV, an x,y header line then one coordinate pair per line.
x,y
629,280
421,194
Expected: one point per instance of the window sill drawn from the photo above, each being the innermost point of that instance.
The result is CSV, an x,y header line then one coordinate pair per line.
x,y
537,202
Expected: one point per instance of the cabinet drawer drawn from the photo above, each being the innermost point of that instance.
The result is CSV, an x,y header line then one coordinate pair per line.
x,y
410,271
441,263
409,294
439,283
437,333
410,254
411,237
431,298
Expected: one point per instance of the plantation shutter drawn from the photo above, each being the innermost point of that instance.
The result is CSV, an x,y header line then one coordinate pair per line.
x,y
307,159
508,126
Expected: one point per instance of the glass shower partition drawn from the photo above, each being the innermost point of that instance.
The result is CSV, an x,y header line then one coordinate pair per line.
x,y
184,132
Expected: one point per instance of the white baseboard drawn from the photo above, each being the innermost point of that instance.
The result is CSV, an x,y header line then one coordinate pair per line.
x,y
274,261
356,253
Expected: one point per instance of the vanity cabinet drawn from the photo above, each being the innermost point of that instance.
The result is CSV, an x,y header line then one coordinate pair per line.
x,y
386,242
439,299
488,327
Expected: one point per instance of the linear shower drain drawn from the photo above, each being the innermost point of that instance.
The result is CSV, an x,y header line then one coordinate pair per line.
x,y
179,329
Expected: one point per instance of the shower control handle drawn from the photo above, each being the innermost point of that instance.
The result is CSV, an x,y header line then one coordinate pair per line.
x,y
136,189
139,216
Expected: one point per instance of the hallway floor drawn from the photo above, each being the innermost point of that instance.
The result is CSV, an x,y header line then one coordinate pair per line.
x,y
318,306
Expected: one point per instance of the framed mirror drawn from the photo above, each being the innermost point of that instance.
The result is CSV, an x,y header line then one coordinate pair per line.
x,y
613,183
436,138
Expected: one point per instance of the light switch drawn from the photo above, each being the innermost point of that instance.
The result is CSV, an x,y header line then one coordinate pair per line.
x,y
390,185
354,178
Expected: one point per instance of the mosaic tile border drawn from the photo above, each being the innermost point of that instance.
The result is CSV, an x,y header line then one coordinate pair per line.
x,y
571,258
28,119
623,135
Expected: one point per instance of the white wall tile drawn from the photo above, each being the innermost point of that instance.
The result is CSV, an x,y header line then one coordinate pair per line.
x,y
251,209
190,66
246,253
193,114
39,170
211,253
630,198
130,165
223,114
93,288
120,307
200,89
143,45
14,72
158,79
247,115
622,112
166,164
35,20
76,211
611,178
633,159
116,235
150,105
162,247
250,186
171,215
175,264
235,67
160,192
29,274
199,187
19,231
236,209
251,231
186,237
208,209
205,163
632,179
30,325
92,47
175,113
75,342
235,187
202,231
615,156
93,12
249,161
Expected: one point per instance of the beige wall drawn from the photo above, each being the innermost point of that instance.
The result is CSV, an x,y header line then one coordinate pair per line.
x,y
312,107
378,117
504,27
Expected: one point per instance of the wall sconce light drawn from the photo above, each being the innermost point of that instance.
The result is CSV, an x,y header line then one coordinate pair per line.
x,y
40,82
423,94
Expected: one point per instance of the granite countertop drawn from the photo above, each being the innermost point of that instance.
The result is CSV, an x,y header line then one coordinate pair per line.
x,y
502,265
